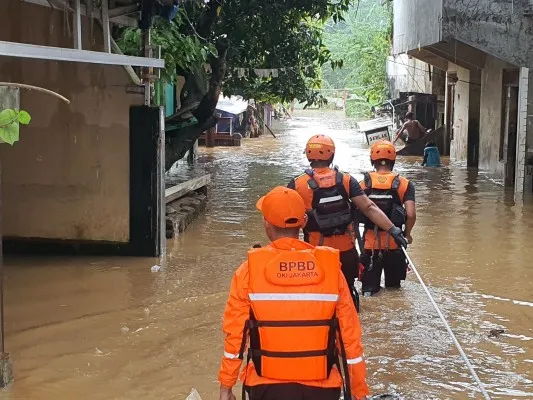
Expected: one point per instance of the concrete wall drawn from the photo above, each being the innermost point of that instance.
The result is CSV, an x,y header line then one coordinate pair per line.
x,y
407,74
416,24
68,177
490,123
497,27
459,145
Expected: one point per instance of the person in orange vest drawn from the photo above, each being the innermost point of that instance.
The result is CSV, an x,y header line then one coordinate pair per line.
x,y
290,307
331,198
395,196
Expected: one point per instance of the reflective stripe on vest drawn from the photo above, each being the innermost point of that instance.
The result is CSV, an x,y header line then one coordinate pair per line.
x,y
293,297
330,199
351,361
230,355
292,325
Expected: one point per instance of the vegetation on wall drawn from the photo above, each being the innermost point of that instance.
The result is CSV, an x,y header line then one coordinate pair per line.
x,y
10,121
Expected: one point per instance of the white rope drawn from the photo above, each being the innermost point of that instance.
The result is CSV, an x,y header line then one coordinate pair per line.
x,y
455,341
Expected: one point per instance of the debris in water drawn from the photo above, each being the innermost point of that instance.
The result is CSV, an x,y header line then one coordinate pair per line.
x,y
147,311
156,268
494,333
124,329
194,395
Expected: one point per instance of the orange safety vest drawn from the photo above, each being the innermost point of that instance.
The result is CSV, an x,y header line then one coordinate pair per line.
x,y
387,190
292,325
325,178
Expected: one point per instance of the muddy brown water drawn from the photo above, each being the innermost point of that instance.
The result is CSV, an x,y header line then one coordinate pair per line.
x,y
108,328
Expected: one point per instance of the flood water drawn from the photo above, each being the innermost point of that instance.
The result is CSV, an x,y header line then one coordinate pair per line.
x,y
109,328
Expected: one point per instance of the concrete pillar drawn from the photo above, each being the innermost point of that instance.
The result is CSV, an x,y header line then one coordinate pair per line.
x,y
521,140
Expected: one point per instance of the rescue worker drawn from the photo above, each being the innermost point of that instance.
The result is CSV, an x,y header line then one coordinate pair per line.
x,y
330,197
395,196
292,305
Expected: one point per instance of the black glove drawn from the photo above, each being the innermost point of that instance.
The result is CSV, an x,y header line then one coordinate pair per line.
x,y
398,237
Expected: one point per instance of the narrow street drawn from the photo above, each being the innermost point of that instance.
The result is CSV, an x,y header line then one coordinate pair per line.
x,y
109,328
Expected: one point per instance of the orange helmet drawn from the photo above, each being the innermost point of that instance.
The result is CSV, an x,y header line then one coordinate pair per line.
x,y
383,150
319,148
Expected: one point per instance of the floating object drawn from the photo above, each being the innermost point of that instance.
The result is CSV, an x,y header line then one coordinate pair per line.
x,y
494,333
194,395
155,268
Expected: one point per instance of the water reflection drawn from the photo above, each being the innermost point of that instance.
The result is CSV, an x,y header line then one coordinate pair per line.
x,y
108,328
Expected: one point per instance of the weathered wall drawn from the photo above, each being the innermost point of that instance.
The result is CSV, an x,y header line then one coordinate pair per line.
x,y
497,27
490,123
459,145
416,24
407,74
68,177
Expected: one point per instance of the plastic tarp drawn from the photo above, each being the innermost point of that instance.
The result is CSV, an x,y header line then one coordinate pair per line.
x,y
234,105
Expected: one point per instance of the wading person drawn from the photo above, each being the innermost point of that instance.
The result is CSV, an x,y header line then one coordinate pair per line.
x,y
395,196
411,130
292,305
431,155
330,197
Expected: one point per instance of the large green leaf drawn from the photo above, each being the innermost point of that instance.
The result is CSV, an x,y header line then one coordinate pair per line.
x,y
10,133
7,116
24,118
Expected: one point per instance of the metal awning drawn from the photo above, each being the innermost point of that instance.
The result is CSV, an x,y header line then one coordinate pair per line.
x,y
12,49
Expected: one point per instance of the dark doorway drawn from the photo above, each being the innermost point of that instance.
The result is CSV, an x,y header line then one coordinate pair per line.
x,y
450,101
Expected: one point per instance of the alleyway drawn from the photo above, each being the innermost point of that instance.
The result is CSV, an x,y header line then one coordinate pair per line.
x,y
108,328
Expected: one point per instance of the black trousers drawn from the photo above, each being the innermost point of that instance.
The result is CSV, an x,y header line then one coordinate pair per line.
x,y
394,264
291,391
350,270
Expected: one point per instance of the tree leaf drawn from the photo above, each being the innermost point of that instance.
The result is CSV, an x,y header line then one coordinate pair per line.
x,y
24,117
7,116
10,133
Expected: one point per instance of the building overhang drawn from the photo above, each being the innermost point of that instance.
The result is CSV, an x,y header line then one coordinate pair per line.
x,y
22,50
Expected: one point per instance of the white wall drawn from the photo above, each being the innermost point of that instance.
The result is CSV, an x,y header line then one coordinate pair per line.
x,y
459,144
407,74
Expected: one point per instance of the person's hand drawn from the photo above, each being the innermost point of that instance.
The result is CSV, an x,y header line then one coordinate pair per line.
x,y
226,394
409,239
398,237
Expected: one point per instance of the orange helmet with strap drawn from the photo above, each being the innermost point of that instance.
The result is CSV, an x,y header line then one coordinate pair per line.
x,y
320,148
383,150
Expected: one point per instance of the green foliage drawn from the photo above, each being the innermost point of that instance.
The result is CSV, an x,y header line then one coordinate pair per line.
x,y
363,40
279,34
10,120
179,49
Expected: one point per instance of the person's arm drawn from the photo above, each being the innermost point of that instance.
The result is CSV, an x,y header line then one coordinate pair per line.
x,y
235,315
410,210
422,127
367,206
399,133
372,212
425,158
350,329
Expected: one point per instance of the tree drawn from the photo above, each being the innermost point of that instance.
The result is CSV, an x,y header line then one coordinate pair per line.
x,y
10,121
247,34
364,41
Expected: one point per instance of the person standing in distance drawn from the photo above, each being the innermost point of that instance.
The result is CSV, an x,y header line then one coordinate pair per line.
x,y
331,197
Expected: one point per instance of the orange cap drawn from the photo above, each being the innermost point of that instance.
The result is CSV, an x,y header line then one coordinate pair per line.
x,y
283,207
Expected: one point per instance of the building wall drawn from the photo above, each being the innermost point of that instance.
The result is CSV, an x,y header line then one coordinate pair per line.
x,y
407,74
416,24
490,123
459,145
68,176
